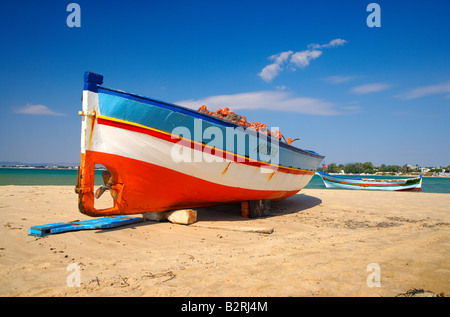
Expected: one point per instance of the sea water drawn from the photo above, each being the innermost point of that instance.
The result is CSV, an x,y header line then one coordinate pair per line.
x,y
42,176
64,177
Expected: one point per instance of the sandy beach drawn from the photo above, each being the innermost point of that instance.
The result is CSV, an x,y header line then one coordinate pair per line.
x,y
324,243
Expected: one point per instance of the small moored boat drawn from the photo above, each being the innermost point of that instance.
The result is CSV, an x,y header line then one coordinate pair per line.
x,y
160,156
404,184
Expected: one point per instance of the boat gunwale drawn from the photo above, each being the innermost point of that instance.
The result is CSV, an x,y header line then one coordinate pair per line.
x,y
202,116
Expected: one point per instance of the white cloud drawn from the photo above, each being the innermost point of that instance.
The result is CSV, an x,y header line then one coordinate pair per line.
x,y
270,100
299,59
37,110
282,57
354,108
426,91
337,42
338,79
332,43
271,71
369,88
282,87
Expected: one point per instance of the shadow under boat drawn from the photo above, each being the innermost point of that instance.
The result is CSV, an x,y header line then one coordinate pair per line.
x,y
232,212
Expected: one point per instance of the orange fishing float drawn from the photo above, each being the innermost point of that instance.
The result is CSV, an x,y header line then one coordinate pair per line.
x,y
230,115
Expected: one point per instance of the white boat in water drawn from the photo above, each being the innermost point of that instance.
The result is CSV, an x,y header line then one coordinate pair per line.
x,y
403,184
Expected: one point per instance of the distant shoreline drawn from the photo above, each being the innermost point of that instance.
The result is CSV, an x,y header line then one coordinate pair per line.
x,y
40,167
45,167
389,174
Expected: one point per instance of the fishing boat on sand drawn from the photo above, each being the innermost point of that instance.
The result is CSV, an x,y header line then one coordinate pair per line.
x,y
160,156
337,181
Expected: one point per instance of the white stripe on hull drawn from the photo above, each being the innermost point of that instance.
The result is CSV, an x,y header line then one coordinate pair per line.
x,y
150,149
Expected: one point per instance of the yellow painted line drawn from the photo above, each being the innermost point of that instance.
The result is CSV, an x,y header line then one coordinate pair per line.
x,y
198,143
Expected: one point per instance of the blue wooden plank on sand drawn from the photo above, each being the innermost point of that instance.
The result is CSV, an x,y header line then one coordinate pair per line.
x,y
98,223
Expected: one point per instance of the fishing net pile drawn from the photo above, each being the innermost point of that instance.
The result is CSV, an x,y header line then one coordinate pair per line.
x,y
230,115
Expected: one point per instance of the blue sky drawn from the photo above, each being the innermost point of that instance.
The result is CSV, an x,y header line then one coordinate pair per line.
x,y
314,69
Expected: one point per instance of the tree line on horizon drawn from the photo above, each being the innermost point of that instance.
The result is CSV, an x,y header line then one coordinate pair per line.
x,y
369,168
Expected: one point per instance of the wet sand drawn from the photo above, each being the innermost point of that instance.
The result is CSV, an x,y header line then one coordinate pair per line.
x,y
324,243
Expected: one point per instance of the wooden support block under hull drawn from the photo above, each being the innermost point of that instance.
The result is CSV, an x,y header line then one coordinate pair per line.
x,y
255,208
182,216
